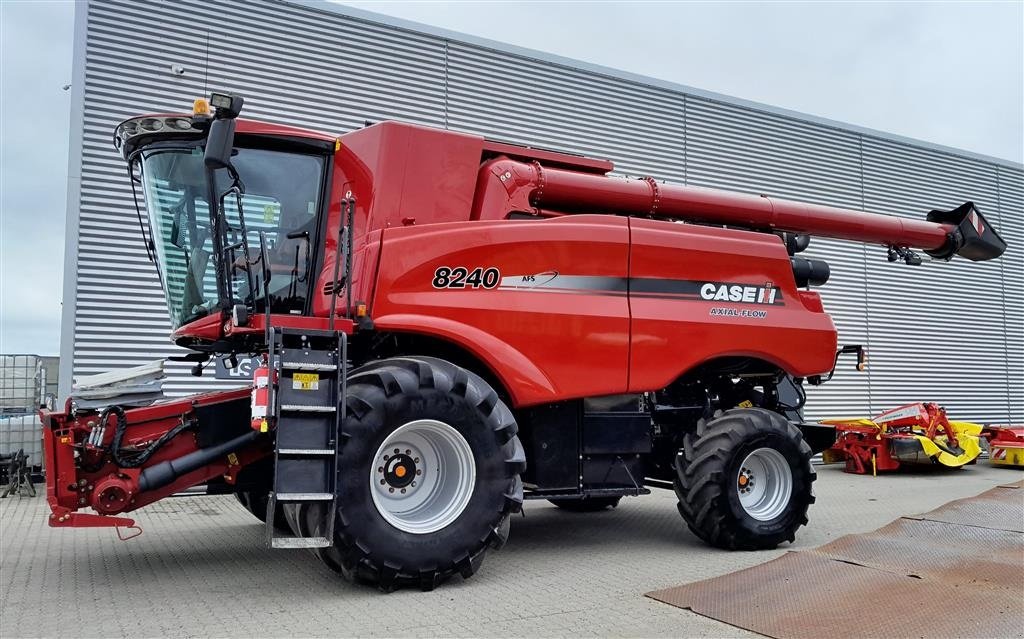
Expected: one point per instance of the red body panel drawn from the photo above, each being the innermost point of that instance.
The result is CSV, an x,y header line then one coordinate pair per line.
x,y
400,175
543,343
672,334
600,314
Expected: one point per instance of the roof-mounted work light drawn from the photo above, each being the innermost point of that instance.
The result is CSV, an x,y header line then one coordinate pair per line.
x,y
227,105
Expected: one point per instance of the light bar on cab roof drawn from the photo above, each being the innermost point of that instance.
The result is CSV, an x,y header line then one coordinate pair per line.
x,y
137,128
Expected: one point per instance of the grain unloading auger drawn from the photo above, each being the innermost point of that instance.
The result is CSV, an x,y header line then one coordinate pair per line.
x,y
961,231
430,310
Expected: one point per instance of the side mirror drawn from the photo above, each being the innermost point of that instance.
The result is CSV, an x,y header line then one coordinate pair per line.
x,y
219,144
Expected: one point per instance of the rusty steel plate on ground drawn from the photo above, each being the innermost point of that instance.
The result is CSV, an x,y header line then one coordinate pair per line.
x,y
938,551
900,580
999,508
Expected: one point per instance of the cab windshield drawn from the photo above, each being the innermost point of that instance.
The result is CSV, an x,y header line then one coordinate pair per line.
x,y
281,198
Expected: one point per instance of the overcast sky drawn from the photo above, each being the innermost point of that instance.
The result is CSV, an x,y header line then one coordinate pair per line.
x,y
950,73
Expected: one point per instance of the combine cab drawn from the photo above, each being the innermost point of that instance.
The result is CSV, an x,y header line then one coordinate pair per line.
x,y
448,325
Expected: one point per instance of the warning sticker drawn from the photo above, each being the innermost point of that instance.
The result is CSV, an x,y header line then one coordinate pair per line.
x,y
269,213
305,381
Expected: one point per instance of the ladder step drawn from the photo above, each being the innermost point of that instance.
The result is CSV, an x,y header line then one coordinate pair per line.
x,y
308,366
303,496
308,404
305,451
300,542
303,408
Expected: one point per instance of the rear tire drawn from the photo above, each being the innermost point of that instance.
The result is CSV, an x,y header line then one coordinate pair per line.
x,y
587,504
450,421
744,481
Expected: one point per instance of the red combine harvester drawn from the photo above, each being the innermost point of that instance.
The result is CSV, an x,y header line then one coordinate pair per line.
x,y
449,325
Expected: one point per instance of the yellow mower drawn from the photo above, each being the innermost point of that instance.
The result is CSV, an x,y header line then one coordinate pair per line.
x,y
913,434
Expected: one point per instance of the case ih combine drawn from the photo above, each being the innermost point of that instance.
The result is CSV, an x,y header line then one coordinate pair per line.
x,y
450,325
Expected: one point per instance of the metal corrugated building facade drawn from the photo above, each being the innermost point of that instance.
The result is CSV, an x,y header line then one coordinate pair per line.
x,y
951,333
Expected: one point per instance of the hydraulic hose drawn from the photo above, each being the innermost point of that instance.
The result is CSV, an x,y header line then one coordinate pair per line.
x,y
139,457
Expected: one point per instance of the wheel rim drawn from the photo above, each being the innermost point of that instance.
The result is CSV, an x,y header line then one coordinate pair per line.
x,y
422,476
764,483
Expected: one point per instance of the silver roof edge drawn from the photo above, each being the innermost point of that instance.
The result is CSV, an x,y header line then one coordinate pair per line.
x,y
329,6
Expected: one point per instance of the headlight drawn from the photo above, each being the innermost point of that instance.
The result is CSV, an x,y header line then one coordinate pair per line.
x,y
151,124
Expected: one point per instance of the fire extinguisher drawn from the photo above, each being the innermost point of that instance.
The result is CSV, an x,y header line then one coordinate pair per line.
x,y
261,381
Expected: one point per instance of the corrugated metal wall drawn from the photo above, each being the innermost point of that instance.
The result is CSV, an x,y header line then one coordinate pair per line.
x,y
946,332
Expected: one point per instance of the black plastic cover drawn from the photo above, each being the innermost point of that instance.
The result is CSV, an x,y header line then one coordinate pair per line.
x,y
810,272
616,432
551,435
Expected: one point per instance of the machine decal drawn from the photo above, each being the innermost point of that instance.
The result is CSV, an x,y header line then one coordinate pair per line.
x,y
725,292
306,381
554,282
738,312
462,277
696,290
529,281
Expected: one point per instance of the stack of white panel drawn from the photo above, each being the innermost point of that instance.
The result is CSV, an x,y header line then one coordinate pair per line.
x,y
138,386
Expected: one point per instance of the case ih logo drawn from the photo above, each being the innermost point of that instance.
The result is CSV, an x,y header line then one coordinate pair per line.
x,y
726,292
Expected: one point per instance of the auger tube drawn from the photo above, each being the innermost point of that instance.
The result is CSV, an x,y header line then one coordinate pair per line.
x,y
942,235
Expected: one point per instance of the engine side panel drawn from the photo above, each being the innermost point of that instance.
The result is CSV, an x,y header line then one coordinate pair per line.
x,y
553,323
699,292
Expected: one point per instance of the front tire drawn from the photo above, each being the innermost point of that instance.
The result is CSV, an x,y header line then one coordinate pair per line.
x,y
456,440
256,502
744,481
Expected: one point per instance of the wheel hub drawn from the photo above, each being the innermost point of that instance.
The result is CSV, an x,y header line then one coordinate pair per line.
x,y
400,471
745,481
422,476
764,483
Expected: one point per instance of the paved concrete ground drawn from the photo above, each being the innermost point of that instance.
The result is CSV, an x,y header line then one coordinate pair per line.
x,y
200,569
